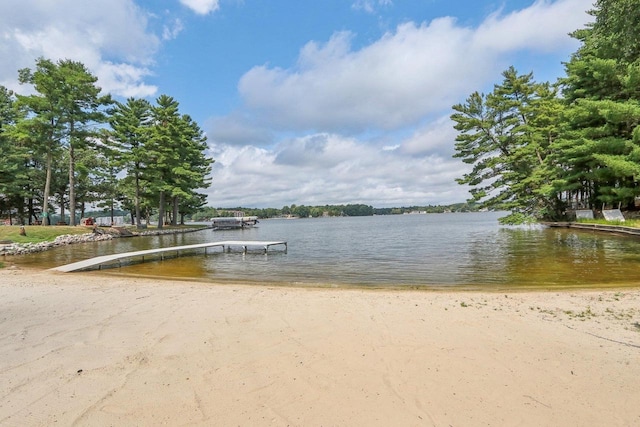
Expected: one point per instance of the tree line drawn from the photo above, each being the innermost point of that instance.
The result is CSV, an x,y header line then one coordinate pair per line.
x,y
68,145
540,150
303,211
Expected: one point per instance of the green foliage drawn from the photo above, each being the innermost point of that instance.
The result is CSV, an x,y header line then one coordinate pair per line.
x,y
129,136
176,147
507,137
600,150
54,148
536,153
205,213
13,161
61,113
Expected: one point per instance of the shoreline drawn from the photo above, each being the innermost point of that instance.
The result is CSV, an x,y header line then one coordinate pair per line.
x,y
82,351
456,288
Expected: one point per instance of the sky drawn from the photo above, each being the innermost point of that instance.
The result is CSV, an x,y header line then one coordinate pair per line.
x,y
305,102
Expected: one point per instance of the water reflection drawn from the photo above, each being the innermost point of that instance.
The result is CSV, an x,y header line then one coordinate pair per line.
x,y
405,250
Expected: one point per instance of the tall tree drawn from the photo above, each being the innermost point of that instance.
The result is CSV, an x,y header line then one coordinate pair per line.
x,y
131,123
192,166
601,149
14,159
66,107
506,138
163,149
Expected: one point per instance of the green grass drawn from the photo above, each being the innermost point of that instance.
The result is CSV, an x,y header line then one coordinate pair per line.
x,y
628,223
38,233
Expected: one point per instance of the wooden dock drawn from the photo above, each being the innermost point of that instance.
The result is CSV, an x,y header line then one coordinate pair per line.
x,y
612,228
150,253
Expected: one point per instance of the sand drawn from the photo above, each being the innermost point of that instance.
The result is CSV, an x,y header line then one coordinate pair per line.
x,y
88,349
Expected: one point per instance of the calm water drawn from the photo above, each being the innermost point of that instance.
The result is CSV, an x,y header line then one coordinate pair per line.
x,y
434,250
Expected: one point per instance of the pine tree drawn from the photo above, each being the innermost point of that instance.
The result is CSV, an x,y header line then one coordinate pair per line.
x,y
14,173
62,112
600,150
131,130
506,136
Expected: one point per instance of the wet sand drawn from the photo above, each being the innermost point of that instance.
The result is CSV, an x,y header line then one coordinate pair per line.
x,y
86,349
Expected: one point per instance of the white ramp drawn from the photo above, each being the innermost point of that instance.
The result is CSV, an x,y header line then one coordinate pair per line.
x,y
108,259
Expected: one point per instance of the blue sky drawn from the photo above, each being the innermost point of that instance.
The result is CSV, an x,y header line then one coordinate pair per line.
x,y
305,102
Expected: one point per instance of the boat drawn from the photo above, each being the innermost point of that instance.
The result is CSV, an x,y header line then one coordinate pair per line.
x,y
231,223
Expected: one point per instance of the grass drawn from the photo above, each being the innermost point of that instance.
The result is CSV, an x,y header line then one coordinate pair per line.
x,y
38,233
628,223
583,315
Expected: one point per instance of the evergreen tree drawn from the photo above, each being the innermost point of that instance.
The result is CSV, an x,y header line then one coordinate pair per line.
x,y
64,109
131,130
601,148
191,170
506,136
14,161
163,148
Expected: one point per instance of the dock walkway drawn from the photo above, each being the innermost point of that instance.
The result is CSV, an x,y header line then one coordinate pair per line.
x,y
99,261
611,228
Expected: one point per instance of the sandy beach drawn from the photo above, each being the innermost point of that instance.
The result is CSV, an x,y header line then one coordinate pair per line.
x,y
85,349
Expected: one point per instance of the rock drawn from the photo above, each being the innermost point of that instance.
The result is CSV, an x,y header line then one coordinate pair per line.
x,y
68,239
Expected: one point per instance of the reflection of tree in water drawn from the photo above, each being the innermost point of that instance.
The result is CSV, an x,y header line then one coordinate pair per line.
x,y
552,257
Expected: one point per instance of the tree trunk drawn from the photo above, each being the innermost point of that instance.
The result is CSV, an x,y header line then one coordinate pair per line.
x,y
72,179
47,190
174,218
31,213
137,202
161,211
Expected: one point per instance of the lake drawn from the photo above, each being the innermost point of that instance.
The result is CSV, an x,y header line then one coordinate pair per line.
x,y
468,250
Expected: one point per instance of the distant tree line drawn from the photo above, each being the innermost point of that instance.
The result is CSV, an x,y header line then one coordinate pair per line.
x,y
67,145
303,211
540,149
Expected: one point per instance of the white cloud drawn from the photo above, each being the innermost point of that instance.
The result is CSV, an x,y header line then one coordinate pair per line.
x,y
373,123
202,7
435,137
124,79
541,27
407,74
369,6
170,32
320,169
109,36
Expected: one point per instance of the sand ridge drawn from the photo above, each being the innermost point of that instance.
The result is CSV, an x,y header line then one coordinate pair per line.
x,y
88,349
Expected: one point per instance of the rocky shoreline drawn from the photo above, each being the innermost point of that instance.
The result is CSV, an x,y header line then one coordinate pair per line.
x,y
70,239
